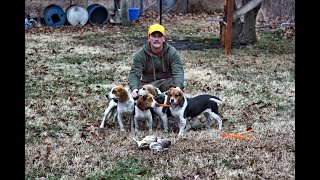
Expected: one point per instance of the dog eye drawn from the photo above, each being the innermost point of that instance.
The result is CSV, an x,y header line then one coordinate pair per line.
x,y
143,89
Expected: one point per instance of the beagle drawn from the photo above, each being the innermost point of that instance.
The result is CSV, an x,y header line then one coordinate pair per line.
x,y
142,110
161,99
162,111
149,88
121,98
182,107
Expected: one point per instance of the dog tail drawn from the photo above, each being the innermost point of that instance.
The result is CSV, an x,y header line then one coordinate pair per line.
x,y
216,100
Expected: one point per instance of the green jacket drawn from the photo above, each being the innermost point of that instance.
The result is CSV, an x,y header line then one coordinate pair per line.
x,y
153,68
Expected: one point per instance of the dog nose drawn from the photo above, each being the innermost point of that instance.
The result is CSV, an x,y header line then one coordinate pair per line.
x,y
171,100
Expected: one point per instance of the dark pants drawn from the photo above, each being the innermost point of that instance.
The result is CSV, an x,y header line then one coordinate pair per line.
x,y
162,84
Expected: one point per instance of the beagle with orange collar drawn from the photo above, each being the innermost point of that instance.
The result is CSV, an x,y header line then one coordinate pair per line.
x,y
182,107
142,110
120,97
161,99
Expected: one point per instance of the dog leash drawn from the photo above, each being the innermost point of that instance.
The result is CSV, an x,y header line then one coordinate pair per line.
x,y
164,105
239,137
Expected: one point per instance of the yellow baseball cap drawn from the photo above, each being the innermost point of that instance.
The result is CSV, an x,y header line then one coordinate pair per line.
x,y
156,27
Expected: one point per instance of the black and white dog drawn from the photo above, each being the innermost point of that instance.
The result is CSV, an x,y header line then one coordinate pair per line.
x,y
182,107
163,111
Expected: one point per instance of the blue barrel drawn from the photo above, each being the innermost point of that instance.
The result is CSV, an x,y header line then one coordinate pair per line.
x,y
54,15
98,14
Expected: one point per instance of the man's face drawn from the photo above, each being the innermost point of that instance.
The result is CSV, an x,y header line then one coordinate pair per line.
x,y
156,39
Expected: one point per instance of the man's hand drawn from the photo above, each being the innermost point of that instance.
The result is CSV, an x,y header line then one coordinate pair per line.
x,y
134,93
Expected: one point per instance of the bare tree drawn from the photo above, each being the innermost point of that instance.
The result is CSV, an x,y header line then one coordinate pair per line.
x,y
244,32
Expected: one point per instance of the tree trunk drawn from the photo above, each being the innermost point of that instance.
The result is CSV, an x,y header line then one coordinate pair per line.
x,y
236,30
245,32
248,33
124,13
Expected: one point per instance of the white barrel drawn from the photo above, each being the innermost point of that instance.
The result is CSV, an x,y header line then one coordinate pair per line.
x,y
77,15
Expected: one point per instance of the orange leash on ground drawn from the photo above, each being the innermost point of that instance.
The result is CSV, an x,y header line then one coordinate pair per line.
x,y
237,136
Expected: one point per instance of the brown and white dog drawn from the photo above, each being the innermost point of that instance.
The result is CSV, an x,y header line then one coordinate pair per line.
x,y
159,110
182,107
142,110
120,97
149,88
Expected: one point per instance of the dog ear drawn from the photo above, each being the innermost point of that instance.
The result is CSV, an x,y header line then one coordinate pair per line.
x,y
140,104
181,99
172,86
148,88
168,92
144,97
168,98
123,94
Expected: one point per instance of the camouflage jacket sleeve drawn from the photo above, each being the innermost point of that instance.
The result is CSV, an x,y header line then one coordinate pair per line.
x,y
177,68
136,70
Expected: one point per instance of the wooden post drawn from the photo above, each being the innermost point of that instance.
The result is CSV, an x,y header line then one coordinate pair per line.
x,y
223,26
228,38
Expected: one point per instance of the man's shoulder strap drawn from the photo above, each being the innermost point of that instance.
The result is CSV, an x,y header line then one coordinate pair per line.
x,y
147,56
165,55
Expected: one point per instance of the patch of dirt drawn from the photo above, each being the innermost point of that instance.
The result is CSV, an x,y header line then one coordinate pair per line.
x,y
187,43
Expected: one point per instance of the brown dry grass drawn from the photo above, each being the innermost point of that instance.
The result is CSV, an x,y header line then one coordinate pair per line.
x,y
69,70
